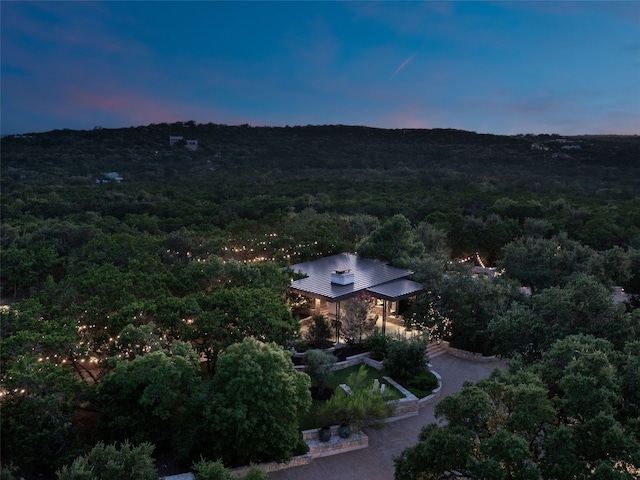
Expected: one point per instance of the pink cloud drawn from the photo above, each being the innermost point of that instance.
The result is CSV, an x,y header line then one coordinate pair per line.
x,y
131,107
410,117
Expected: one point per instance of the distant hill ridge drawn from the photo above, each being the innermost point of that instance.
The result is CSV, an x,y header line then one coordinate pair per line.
x,y
325,146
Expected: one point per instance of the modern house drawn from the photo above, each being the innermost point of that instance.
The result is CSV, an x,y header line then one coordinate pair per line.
x,y
331,280
108,177
190,144
173,139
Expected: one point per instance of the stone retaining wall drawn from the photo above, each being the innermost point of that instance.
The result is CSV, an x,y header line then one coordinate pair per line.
x,y
273,466
403,407
358,359
373,363
435,394
336,444
475,357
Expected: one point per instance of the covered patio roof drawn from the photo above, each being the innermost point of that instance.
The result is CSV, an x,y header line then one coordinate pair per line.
x,y
378,278
396,290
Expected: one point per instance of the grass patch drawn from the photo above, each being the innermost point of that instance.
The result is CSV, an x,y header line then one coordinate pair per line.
x,y
421,385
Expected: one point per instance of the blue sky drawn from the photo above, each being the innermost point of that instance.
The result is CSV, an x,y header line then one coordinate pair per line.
x,y
491,67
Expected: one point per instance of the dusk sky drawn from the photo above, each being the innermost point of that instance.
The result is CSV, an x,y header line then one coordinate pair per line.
x,y
490,67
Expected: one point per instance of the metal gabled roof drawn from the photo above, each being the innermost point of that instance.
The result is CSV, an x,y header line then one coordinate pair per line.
x,y
368,275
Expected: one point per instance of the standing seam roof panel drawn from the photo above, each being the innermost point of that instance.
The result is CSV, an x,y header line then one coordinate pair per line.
x,y
368,273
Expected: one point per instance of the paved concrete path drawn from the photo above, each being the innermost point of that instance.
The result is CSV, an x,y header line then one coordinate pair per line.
x,y
376,461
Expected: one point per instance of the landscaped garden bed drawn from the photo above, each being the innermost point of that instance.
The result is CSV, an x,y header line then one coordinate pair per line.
x,y
310,419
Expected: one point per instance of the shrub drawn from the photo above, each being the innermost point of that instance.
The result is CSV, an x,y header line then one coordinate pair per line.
x,y
204,470
378,344
112,463
319,366
8,472
319,333
406,358
255,473
425,381
300,346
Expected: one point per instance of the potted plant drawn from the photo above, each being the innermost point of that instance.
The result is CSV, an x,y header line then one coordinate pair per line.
x,y
344,430
324,434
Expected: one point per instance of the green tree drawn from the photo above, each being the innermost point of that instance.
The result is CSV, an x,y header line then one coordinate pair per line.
x,y
612,266
423,315
541,263
319,332
492,431
38,433
579,371
23,268
260,395
230,315
470,304
157,384
110,462
439,452
583,305
395,241
436,244
253,312
358,320
135,341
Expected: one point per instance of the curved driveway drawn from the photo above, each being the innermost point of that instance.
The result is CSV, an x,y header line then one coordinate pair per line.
x,y
376,461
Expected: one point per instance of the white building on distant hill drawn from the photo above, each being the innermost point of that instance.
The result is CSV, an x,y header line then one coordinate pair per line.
x,y
190,144
110,177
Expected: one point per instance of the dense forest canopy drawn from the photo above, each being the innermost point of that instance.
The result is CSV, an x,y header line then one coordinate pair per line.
x,y
243,182
122,253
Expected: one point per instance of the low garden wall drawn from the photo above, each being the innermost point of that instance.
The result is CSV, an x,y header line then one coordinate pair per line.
x,y
297,461
336,444
358,359
404,407
370,362
435,394
475,357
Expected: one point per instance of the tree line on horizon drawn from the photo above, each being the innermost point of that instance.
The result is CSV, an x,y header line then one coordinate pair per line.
x,y
130,283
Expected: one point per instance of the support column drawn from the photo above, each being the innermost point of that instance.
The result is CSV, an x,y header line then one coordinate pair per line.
x,y
384,316
338,322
